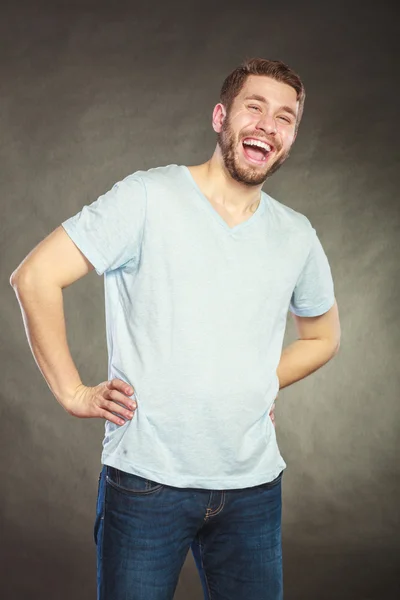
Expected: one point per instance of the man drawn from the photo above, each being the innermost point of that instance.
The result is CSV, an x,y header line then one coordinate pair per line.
x,y
201,267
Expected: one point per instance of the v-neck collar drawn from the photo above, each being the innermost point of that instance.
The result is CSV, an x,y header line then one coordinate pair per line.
x,y
254,217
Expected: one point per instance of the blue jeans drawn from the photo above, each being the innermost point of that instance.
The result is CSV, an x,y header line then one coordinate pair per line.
x,y
144,529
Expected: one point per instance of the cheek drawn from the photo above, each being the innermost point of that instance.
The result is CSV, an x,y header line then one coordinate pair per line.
x,y
243,122
287,136
286,140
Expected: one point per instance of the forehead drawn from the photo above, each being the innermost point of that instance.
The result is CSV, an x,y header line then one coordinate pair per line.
x,y
274,91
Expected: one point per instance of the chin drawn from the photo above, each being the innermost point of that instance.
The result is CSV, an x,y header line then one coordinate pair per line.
x,y
247,174
248,177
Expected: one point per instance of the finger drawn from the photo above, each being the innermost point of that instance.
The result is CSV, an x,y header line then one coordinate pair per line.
x,y
114,407
116,396
122,386
109,416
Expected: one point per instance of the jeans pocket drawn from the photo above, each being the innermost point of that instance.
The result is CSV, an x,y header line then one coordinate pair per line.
x,y
271,484
128,483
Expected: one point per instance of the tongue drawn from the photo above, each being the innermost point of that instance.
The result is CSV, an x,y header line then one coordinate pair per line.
x,y
254,152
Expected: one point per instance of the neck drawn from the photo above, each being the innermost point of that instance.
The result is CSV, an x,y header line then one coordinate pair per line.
x,y
218,185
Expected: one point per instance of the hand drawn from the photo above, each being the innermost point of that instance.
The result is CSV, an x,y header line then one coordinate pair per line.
x,y
102,401
272,414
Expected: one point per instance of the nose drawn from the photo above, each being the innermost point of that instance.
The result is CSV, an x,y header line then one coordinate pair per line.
x,y
268,124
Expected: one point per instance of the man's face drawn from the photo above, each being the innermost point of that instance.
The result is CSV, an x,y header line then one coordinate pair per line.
x,y
264,111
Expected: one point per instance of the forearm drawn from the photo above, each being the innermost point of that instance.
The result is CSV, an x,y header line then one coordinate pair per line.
x,y
303,357
42,310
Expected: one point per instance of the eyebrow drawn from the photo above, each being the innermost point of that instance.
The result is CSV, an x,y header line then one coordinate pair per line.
x,y
265,101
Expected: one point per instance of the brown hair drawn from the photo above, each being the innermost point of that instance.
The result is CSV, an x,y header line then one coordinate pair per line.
x,y
275,69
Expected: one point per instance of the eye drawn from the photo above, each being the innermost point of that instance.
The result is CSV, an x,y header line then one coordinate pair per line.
x,y
285,119
254,106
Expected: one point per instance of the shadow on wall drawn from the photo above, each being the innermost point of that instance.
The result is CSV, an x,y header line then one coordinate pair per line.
x,y
340,572
64,569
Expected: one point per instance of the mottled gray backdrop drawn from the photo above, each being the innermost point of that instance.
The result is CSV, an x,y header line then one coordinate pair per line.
x,y
92,91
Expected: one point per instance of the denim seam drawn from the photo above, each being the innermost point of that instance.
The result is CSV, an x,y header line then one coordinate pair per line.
x,y
117,484
210,513
103,512
101,549
131,492
204,570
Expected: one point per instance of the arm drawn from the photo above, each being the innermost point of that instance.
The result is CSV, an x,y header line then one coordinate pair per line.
x,y
319,342
38,283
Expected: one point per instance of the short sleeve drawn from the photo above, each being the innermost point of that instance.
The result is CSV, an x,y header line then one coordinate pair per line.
x,y
314,293
109,231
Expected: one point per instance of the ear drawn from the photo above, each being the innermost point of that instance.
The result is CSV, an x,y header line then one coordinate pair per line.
x,y
219,114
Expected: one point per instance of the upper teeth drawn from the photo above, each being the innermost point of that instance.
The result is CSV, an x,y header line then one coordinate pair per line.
x,y
258,143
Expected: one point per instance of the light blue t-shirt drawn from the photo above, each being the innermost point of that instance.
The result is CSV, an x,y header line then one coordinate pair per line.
x,y
195,315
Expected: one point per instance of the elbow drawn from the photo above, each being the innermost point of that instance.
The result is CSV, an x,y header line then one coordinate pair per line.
x,y
14,279
19,277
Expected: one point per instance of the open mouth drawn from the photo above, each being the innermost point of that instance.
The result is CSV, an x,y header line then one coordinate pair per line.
x,y
256,151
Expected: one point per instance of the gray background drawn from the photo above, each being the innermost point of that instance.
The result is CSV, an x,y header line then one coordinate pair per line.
x,y
92,91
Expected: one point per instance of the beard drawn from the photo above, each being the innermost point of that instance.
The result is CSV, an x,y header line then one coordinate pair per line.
x,y
248,175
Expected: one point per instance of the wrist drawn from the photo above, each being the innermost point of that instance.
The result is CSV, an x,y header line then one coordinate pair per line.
x,y
67,397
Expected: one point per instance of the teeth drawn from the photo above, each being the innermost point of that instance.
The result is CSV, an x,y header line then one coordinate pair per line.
x,y
258,143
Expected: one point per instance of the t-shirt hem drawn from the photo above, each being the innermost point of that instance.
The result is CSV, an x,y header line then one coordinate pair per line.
x,y
93,257
173,480
315,311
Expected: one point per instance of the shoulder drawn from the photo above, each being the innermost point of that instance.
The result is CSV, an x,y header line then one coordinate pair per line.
x,y
158,175
140,182
286,218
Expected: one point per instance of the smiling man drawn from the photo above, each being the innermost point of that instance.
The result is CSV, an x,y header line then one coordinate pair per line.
x,y
201,267
268,149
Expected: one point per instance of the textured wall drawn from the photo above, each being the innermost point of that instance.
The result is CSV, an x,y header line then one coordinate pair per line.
x,y
90,92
